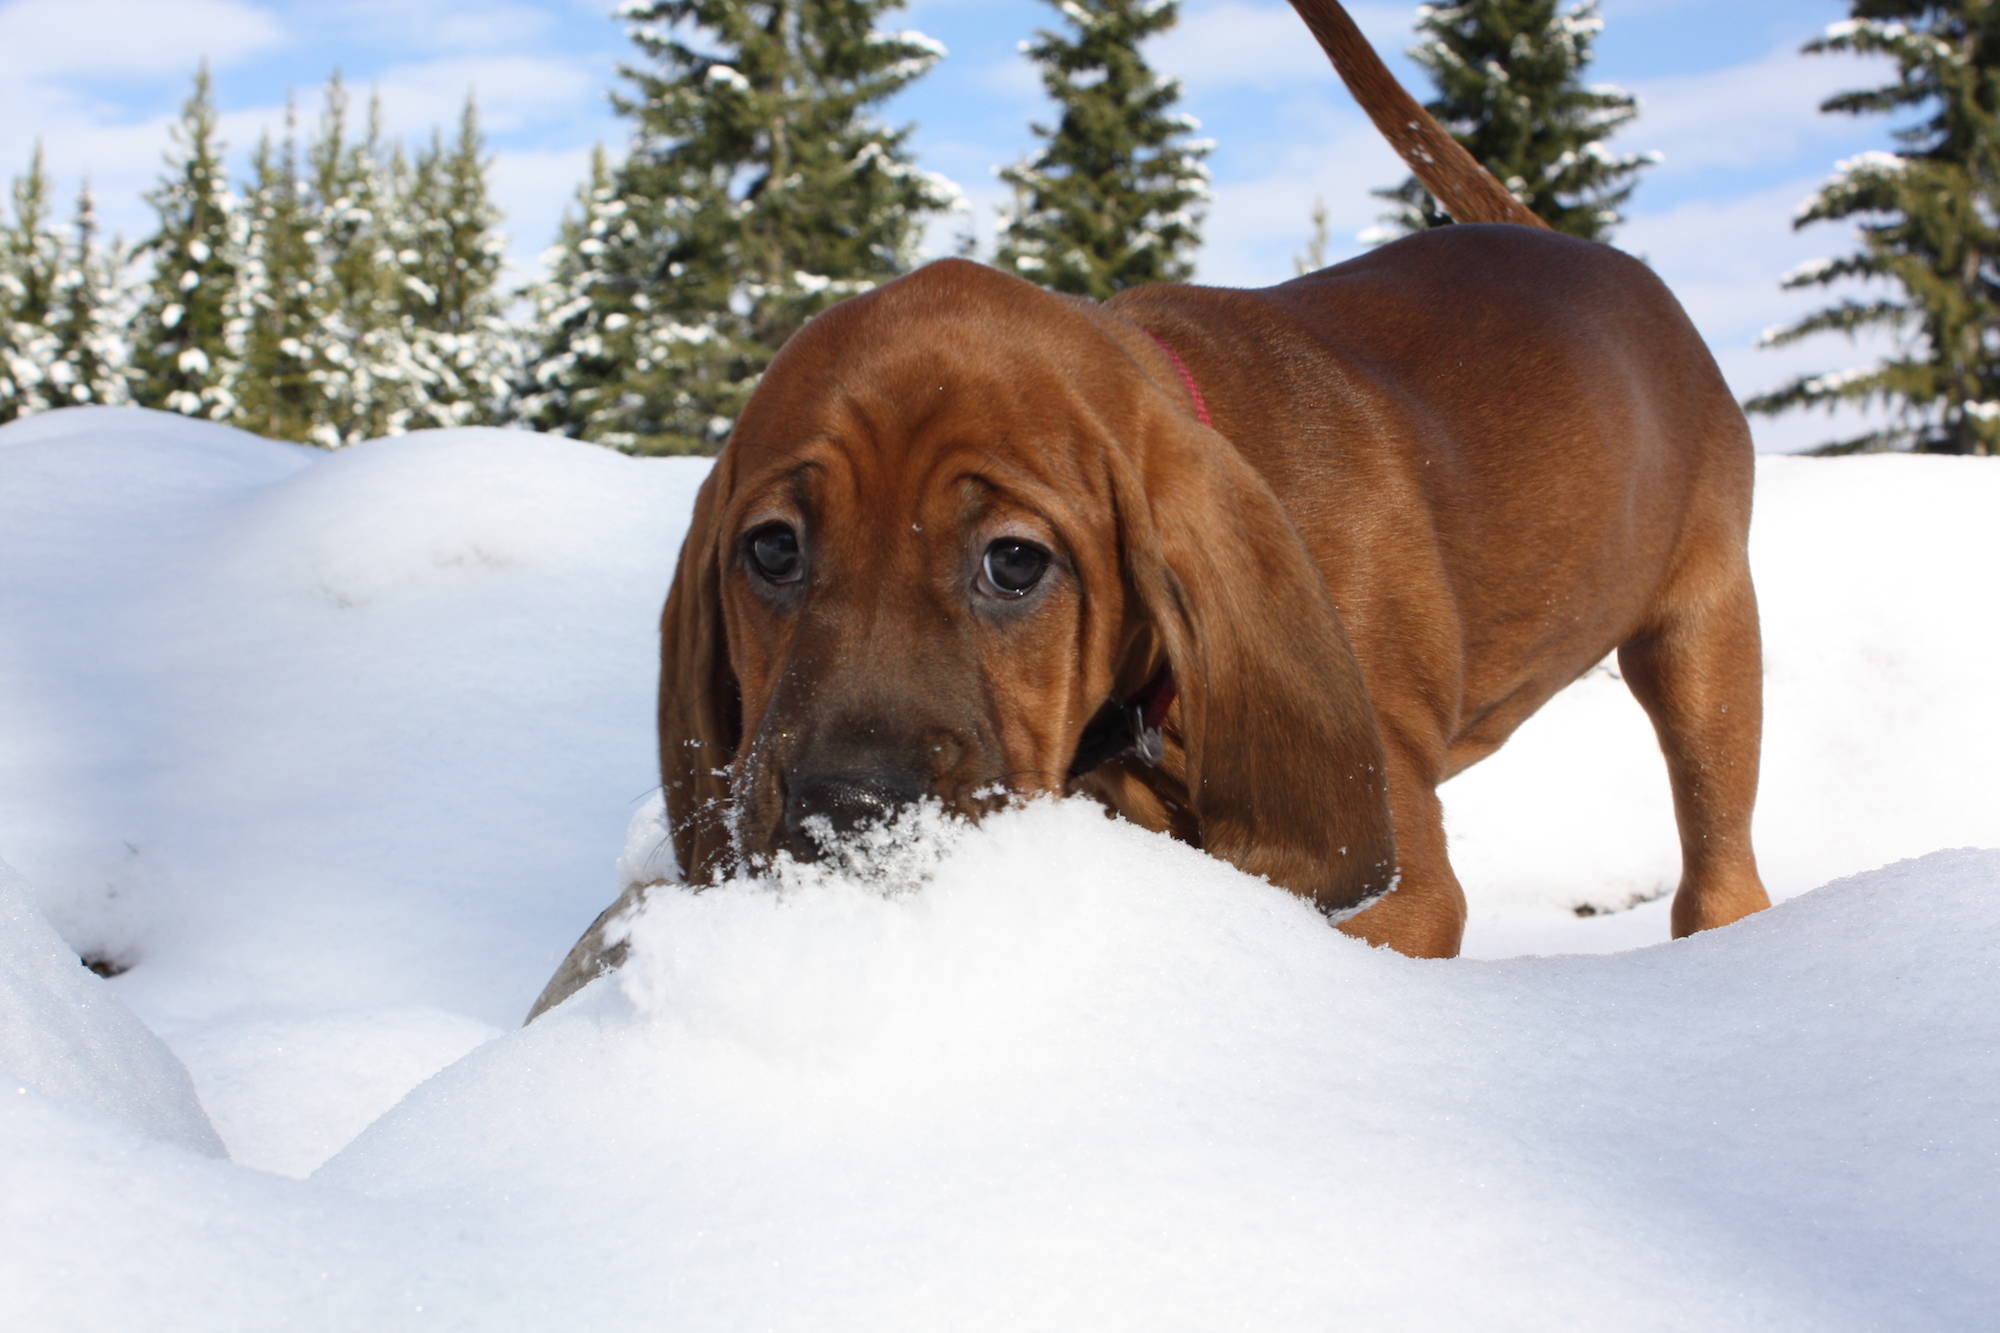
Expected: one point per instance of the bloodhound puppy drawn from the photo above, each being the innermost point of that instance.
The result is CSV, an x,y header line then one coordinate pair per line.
x,y
1259,569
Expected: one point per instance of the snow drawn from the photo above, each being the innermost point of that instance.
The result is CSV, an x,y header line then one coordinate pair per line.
x,y
1810,271
1874,160
1835,380
930,46
727,76
339,752
68,1042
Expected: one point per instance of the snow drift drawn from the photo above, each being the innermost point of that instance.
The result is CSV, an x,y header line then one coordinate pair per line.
x,y
335,753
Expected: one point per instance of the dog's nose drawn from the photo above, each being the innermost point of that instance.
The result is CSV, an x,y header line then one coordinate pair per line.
x,y
847,800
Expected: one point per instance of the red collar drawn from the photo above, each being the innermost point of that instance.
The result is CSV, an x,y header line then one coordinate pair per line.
x,y
1187,378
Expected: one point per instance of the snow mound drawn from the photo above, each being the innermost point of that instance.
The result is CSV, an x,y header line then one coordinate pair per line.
x,y
65,1038
167,435
394,515
1073,1075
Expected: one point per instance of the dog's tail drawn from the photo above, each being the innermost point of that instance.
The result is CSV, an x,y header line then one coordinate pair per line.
x,y
1466,190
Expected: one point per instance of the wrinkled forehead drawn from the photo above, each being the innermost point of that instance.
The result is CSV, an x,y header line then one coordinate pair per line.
x,y
950,369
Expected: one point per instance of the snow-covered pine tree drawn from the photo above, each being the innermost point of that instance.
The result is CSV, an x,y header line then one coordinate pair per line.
x,y
580,342
363,362
90,354
449,265
180,349
1929,228
1313,257
278,395
1114,196
1509,75
760,189
30,265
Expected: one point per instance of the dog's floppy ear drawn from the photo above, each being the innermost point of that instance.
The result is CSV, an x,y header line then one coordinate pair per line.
x,y
1284,760
700,710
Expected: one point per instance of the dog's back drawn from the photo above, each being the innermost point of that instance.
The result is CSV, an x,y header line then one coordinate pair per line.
x,y
1498,442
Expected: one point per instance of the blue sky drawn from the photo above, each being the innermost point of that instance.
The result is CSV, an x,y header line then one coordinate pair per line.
x,y
1725,97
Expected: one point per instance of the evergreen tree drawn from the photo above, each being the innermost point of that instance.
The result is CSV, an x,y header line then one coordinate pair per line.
x,y
89,364
1930,230
450,270
759,190
278,395
1113,198
180,350
1509,75
362,360
31,264
1313,258
570,384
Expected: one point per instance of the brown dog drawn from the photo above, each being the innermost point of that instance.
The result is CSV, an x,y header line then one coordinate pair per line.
x,y
1257,568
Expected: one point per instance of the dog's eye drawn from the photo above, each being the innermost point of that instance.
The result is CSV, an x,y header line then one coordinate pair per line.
x,y
774,552
1011,568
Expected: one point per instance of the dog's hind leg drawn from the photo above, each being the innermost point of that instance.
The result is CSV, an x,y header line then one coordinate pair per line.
x,y
1698,670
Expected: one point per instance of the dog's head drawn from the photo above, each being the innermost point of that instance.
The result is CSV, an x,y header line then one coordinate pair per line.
x,y
959,517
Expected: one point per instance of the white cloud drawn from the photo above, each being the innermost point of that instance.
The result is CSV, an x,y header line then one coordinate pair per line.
x,y
533,191
1016,78
1228,44
446,25
48,39
1624,9
1256,225
513,91
1264,45
1761,112
51,51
